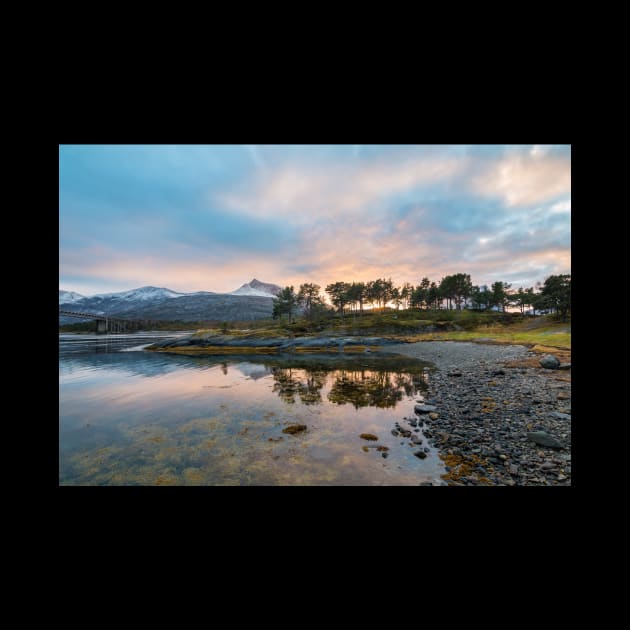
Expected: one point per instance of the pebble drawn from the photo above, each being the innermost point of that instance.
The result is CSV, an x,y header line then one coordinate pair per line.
x,y
424,408
496,431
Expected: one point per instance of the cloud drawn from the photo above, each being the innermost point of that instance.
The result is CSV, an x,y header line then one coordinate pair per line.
x,y
539,150
211,218
561,207
299,192
521,180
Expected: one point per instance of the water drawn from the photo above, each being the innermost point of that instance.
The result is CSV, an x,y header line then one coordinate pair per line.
x,y
133,417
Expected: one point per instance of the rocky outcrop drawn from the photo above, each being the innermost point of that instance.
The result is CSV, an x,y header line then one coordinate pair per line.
x,y
273,344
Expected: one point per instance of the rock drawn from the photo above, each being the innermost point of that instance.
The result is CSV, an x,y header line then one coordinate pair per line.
x,y
420,454
395,433
564,366
424,408
433,415
548,466
513,469
563,396
366,436
550,362
454,374
544,439
294,428
382,449
365,449
560,416
405,433
498,373
416,440
385,455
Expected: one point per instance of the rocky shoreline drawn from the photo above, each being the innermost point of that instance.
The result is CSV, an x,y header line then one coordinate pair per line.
x,y
500,418
495,415
216,344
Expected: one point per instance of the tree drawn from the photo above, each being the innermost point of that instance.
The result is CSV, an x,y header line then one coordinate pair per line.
x,y
285,303
339,293
396,297
500,294
520,299
388,292
373,291
418,297
420,294
356,294
462,288
556,294
530,298
309,298
480,297
433,295
447,290
405,293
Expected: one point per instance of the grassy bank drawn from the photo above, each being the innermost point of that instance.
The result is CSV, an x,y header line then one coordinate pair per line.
x,y
410,325
418,326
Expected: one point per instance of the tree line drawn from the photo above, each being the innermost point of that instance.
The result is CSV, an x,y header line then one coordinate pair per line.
x,y
455,291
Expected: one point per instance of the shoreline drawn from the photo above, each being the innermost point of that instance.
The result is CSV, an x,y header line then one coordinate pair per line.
x,y
488,398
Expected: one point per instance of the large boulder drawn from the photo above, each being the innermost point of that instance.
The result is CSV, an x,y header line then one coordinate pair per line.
x,y
550,362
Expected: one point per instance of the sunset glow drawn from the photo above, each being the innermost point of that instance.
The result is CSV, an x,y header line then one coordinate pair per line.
x,y
211,218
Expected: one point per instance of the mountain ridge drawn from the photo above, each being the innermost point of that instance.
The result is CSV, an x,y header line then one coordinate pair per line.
x,y
253,300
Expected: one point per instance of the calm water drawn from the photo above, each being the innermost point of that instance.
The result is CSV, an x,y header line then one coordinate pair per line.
x,y
132,417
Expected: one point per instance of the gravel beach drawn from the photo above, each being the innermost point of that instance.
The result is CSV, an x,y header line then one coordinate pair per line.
x,y
501,418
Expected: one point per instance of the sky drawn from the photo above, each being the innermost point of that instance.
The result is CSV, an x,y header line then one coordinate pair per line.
x,y
212,217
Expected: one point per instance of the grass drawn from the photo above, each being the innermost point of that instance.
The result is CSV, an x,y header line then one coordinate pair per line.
x,y
411,326
550,336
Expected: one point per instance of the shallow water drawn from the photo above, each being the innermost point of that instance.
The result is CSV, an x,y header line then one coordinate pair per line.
x,y
142,418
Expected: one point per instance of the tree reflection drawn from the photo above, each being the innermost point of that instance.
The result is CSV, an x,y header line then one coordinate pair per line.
x,y
370,388
359,387
307,384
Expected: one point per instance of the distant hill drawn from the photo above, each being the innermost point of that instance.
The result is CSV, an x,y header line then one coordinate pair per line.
x,y
252,300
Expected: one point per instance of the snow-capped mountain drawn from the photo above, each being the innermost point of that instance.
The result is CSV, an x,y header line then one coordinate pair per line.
x,y
143,293
252,301
69,297
257,288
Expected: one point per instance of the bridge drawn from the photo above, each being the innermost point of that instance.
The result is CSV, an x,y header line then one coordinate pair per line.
x,y
106,323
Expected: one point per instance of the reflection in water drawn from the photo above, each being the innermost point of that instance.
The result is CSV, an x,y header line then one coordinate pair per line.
x,y
307,384
358,387
141,418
